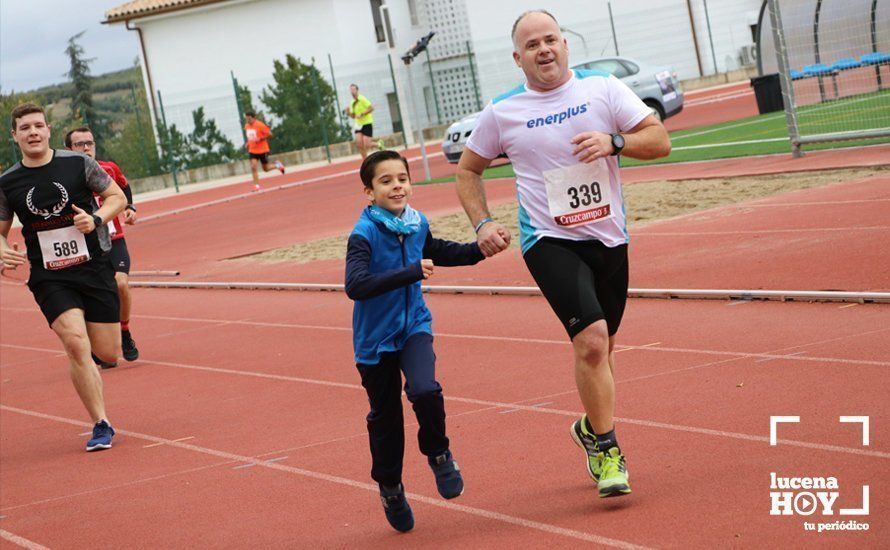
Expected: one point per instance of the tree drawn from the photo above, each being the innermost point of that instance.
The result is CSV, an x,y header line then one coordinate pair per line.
x,y
206,144
133,146
134,149
294,100
245,101
82,109
175,148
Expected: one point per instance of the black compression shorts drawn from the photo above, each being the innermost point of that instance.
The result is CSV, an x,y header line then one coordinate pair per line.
x,y
584,281
119,256
93,290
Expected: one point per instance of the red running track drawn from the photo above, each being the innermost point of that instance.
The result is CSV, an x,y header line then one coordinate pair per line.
x,y
713,106
819,239
244,426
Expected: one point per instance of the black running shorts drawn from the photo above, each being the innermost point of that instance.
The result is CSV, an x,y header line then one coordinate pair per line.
x,y
584,281
366,130
119,256
262,157
93,290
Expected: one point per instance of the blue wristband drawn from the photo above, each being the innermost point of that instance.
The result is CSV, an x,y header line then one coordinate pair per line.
x,y
482,222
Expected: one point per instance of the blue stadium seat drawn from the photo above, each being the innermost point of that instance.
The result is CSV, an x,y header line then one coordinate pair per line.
x,y
875,58
817,69
845,63
797,75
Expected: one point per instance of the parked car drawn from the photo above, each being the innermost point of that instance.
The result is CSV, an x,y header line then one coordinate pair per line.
x,y
657,86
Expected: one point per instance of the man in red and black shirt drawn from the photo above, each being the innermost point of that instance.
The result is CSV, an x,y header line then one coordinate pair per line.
x,y
81,140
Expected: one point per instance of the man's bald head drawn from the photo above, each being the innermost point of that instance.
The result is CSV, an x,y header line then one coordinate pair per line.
x,y
540,50
526,14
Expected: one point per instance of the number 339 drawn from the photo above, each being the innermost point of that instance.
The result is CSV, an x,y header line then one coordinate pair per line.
x,y
584,195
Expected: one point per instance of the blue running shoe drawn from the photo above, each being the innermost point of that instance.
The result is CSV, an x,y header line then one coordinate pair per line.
x,y
448,479
395,506
102,434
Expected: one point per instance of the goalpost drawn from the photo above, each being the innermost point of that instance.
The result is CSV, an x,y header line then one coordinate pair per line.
x,y
833,62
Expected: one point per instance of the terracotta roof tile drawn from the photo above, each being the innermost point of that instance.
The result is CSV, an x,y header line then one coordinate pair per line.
x,y
143,8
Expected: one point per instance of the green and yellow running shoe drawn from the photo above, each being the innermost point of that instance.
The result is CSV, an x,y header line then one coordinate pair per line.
x,y
613,476
587,442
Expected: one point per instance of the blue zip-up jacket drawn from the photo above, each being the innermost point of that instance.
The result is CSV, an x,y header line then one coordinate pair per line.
x,y
383,276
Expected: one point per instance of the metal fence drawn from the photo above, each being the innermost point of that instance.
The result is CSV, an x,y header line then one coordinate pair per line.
x,y
457,77
833,62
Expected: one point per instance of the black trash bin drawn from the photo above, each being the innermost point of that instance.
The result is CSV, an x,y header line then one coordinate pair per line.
x,y
768,91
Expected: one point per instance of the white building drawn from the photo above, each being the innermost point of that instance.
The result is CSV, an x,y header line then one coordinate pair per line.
x,y
190,49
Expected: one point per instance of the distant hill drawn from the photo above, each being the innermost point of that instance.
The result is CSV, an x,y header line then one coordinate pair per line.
x,y
102,84
111,95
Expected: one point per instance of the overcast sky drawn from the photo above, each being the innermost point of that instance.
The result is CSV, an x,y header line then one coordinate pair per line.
x,y
34,35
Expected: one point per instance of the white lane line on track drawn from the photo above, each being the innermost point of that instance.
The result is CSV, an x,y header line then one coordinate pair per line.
x,y
720,99
770,353
812,203
363,435
448,505
771,359
21,541
244,466
618,348
508,406
107,488
261,192
757,231
174,440
758,120
712,89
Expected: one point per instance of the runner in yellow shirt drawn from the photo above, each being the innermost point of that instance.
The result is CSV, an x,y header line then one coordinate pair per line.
x,y
360,110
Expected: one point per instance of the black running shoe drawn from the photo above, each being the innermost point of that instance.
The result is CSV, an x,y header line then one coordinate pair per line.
x,y
103,364
449,482
395,505
128,345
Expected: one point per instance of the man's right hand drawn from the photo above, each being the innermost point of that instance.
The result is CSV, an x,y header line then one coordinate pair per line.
x,y
493,238
12,258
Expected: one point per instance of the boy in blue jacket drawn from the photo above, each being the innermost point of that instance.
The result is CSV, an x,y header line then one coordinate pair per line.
x,y
390,251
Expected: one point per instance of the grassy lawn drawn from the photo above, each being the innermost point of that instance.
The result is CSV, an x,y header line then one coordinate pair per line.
x,y
728,140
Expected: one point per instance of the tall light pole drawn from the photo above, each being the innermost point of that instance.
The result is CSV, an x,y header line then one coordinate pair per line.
x,y
579,35
418,48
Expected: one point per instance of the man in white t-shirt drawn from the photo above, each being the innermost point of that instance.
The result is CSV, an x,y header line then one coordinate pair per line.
x,y
563,131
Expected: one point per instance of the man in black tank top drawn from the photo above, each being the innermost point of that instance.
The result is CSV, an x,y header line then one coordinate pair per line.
x,y
51,192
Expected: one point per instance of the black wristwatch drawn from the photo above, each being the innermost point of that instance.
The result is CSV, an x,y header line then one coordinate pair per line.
x,y
617,144
98,221
130,207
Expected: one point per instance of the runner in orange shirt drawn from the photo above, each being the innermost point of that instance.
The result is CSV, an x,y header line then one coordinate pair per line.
x,y
258,135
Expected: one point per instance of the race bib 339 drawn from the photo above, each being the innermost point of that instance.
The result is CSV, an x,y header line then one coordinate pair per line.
x,y
579,194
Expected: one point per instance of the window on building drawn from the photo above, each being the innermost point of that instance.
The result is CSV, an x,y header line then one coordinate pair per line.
x,y
412,10
378,20
395,115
